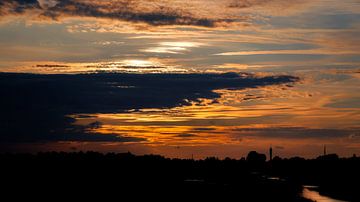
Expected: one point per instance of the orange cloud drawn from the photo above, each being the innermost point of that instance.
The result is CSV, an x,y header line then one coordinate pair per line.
x,y
291,52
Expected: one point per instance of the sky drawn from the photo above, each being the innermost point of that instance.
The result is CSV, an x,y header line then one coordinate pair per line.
x,y
181,78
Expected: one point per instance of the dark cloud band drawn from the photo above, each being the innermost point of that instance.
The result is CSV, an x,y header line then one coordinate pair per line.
x,y
36,107
122,10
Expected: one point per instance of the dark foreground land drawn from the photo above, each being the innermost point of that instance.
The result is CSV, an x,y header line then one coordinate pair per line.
x,y
152,177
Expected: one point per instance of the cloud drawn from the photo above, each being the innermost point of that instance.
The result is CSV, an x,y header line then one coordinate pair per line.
x,y
172,47
108,43
291,52
38,107
52,66
279,147
204,129
247,3
47,3
296,132
203,13
186,135
123,10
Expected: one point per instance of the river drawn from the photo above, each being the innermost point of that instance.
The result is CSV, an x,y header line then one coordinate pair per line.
x,y
310,192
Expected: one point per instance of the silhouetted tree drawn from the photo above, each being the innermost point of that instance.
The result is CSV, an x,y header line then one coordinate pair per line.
x,y
254,157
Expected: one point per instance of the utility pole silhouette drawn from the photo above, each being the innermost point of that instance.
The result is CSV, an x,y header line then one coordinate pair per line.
x,y
270,152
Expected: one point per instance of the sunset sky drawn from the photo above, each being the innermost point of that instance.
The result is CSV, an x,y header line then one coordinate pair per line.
x,y
180,77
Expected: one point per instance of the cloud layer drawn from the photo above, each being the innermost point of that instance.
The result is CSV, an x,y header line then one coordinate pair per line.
x,y
204,13
36,107
155,14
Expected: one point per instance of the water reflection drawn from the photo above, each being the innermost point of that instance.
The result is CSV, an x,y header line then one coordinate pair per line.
x,y
310,193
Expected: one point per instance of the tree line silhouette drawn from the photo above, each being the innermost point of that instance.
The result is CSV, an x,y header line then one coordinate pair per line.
x,y
122,175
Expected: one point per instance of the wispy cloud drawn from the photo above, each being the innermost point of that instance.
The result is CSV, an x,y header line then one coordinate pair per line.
x,y
290,52
173,47
108,43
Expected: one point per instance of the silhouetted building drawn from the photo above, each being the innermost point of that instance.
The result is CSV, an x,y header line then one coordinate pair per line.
x,y
270,153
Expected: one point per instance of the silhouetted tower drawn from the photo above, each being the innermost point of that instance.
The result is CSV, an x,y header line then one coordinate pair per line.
x,y
270,153
324,150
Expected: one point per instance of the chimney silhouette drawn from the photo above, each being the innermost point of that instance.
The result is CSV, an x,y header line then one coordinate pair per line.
x,y
270,153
